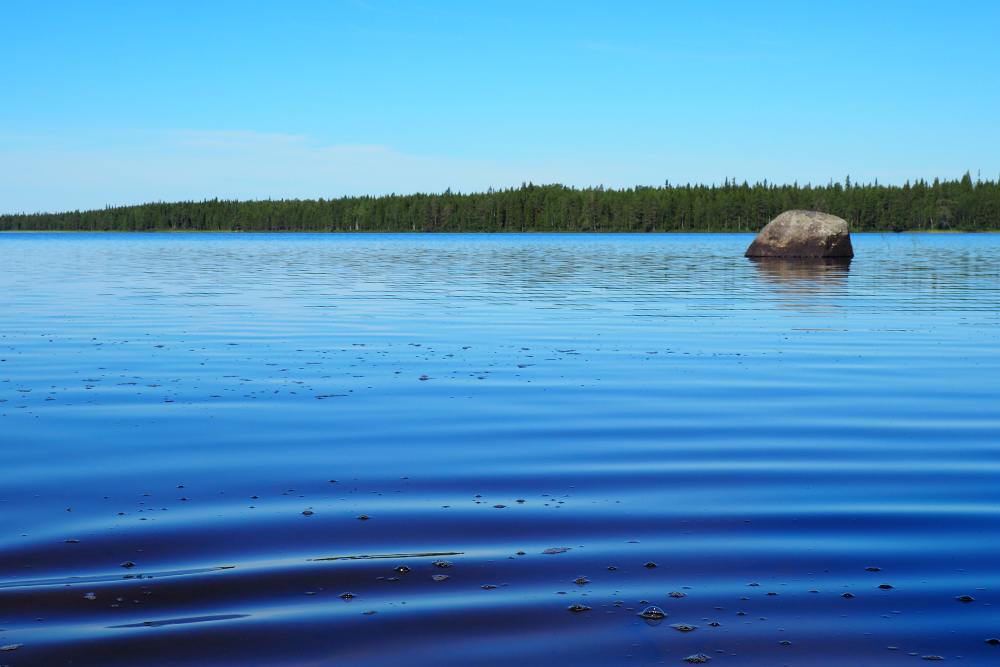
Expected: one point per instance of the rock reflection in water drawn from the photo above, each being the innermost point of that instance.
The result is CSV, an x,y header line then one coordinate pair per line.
x,y
812,285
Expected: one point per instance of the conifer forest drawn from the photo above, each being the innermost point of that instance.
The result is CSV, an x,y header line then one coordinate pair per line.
x,y
958,205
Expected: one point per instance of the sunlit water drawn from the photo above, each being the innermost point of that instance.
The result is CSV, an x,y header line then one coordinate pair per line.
x,y
175,406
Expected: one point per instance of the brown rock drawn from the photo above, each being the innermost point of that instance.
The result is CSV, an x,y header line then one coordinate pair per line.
x,y
803,234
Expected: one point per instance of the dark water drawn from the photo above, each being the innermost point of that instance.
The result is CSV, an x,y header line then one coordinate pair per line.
x,y
765,434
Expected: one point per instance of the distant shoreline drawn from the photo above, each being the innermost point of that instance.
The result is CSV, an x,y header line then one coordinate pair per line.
x,y
942,206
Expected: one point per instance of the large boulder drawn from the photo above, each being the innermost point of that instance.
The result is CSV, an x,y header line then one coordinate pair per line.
x,y
803,234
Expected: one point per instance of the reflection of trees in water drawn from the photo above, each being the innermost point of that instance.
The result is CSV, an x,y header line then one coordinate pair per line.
x,y
811,285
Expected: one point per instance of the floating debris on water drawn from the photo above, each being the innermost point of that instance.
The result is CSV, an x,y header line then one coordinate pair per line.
x,y
785,642
489,586
363,517
676,594
965,598
11,647
401,568
439,577
885,587
580,581
684,627
612,567
347,596
441,563
128,564
369,612
994,641
753,584
90,596
848,595
931,657
308,513
577,608
650,564
556,550
653,613
499,507
715,624
520,553
697,658
874,569
520,500
772,593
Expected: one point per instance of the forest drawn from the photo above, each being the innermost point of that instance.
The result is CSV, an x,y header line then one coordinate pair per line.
x,y
958,205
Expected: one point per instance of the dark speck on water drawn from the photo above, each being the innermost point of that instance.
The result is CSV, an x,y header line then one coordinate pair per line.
x,y
697,658
788,432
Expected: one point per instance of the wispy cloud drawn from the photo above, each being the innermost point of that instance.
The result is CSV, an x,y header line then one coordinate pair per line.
x,y
48,171
68,174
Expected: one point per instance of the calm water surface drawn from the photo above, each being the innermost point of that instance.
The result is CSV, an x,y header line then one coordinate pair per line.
x,y
801,460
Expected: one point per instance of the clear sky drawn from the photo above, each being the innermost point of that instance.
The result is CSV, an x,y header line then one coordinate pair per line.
x,y
122,103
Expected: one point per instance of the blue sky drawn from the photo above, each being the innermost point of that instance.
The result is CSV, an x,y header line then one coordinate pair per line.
x,y
121,103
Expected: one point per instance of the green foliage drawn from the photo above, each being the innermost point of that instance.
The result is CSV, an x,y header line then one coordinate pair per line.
x,y
954,205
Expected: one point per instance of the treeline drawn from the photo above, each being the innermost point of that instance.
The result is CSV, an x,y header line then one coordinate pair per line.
x,y
942,205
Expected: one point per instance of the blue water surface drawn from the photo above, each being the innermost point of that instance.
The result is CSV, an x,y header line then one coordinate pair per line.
x,y
753,447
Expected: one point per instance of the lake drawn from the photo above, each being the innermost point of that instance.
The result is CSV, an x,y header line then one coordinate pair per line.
x,y
426,449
